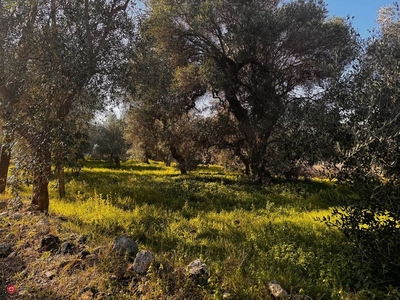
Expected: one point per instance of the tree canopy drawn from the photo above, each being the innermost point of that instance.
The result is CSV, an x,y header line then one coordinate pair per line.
x,y
57,57
258,57
367,97
107,140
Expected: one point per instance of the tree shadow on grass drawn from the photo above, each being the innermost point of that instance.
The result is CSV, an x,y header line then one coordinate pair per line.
x,y
201,192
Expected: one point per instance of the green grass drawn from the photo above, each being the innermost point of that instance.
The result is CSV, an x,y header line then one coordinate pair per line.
x,y
248,235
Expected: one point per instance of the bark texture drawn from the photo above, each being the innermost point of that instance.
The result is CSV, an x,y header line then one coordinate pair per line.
x,y
5,156
41,177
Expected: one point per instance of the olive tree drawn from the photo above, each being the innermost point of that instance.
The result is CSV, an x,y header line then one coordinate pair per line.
x,y
163,117
258,56
107,140
369,104
54,55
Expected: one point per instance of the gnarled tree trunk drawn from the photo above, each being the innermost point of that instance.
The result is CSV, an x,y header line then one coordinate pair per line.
x,y
41,177
179,158
5,156
256,162
244,159
259,162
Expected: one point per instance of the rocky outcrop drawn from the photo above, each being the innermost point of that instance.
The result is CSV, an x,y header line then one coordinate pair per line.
x,y
125,246
142,262
197,269
277,291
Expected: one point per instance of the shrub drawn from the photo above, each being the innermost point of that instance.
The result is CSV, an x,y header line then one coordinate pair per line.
x,y
372,224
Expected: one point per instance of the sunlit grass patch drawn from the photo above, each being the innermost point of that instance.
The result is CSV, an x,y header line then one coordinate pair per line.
x,y
95,211
247,234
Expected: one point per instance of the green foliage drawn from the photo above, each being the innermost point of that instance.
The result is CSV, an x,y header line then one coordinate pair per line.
x,y
367,99
236,51
163,121
107,140
58,64
372,224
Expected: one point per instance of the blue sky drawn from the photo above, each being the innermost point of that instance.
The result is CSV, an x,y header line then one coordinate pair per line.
x,y
365,12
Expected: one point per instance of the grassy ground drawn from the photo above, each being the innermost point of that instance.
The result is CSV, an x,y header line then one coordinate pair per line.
x,y
247,235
